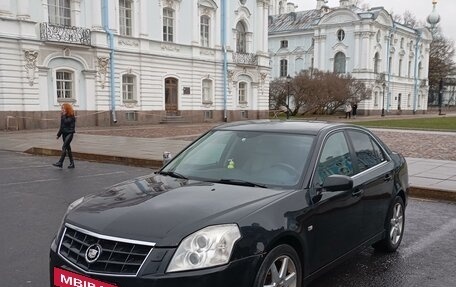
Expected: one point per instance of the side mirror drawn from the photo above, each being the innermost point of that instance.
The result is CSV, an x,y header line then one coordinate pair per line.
x,y
337,182
167,156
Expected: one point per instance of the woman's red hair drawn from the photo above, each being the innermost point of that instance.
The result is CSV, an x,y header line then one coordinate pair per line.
x,y
68,109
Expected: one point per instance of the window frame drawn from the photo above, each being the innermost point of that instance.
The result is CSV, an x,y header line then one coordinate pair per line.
x,y
127,84
126,29
243,92
340,35
60,15
205,31
72,82
283,43
283,68
207,91
338,66
241,37
169,24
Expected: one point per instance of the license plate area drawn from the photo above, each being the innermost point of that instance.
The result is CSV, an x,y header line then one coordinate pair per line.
x,y
64,278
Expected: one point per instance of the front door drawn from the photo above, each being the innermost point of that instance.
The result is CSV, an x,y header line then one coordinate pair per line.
x,y
171,85
336,217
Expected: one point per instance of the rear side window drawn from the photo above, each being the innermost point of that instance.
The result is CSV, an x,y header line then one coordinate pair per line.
x,y
368,152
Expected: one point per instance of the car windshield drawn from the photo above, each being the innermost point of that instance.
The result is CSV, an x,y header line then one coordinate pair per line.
x,y
249,158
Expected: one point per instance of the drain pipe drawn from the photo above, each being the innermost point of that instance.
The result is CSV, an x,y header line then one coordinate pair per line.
x,y
225,64
108,31
416,74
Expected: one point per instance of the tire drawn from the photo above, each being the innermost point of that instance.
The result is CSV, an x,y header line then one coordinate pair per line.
x,y
394,225
282,267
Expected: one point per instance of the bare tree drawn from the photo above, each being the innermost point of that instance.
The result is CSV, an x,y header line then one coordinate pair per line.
x,y
441,63
317,92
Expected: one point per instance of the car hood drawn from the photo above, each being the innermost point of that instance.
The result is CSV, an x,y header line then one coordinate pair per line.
x,y
164,210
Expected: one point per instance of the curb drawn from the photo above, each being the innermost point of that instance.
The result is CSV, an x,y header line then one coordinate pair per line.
x,y
431,193
416,192
139,162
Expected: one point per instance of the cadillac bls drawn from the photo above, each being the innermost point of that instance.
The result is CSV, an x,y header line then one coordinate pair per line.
x,y
258,203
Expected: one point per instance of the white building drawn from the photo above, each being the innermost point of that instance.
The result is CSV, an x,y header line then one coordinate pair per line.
x,y
133,60
392,59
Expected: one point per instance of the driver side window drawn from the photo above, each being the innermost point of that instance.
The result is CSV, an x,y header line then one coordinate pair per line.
x,y
335,158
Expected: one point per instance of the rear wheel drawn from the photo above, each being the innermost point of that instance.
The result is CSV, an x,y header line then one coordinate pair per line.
x,y
280,268
395,222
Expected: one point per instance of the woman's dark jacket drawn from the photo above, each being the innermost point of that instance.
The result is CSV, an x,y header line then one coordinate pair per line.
x,y
67,125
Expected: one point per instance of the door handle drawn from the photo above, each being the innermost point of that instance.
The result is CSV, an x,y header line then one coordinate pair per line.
x,y
358,192
387,177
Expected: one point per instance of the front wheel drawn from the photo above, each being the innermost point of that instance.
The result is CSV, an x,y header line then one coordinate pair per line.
x,y
395,222
280,268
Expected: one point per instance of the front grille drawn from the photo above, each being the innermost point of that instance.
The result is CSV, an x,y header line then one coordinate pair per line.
x,y
118,256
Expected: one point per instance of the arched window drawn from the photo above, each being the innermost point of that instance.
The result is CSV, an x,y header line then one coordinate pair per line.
x,y
59,12
241,40
339,63
168,25
376,62
205,25
400,68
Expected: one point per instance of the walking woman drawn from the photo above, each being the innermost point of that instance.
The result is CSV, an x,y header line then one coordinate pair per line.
x,y
67,129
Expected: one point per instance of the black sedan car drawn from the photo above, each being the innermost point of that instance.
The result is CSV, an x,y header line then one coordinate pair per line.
x,y
259,203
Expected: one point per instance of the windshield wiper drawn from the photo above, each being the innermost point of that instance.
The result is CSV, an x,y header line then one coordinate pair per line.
x,y
172,174
240,182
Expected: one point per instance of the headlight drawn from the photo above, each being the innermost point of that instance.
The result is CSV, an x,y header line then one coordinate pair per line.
x,y
208,247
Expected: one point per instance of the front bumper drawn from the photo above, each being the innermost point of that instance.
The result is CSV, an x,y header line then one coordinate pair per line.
x,y
240,273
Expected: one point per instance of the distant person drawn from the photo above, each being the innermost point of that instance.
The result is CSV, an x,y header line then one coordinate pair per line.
x,y
354,108
348,109
67,129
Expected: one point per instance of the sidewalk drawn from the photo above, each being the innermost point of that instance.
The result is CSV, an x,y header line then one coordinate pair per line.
x,y
429,178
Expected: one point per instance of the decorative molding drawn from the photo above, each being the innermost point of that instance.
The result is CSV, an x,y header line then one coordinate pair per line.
x,y
207,52
170,47
102,69
30,64
126,42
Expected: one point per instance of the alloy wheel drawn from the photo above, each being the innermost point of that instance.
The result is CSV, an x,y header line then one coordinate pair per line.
x,y
281,273
397,223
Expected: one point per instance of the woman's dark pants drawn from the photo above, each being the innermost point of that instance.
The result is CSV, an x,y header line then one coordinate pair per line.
x,y
66,148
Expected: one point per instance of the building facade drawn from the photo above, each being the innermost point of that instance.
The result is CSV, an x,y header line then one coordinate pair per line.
x,y
390,58
130,61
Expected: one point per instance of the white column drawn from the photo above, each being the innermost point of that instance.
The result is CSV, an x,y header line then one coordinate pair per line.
x,y
323,53
195,27
258,44
143,16
97,23
23,9
5,8
357,54
76,13
44,7
265,47
364,50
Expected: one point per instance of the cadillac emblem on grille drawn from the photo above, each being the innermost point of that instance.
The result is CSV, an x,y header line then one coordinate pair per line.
x,y
92,253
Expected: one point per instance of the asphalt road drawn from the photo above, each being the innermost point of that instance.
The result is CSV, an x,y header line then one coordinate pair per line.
x,y
34,196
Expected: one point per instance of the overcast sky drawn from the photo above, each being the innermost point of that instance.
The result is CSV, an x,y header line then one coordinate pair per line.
x,y
420,8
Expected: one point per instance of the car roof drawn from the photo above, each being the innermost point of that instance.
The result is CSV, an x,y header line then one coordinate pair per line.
x,y
280,126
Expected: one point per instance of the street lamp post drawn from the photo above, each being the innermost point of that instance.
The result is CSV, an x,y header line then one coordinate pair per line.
x,y
288,96
383,102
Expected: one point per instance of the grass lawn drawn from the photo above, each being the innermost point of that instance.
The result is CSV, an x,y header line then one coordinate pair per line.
x,y
437,124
